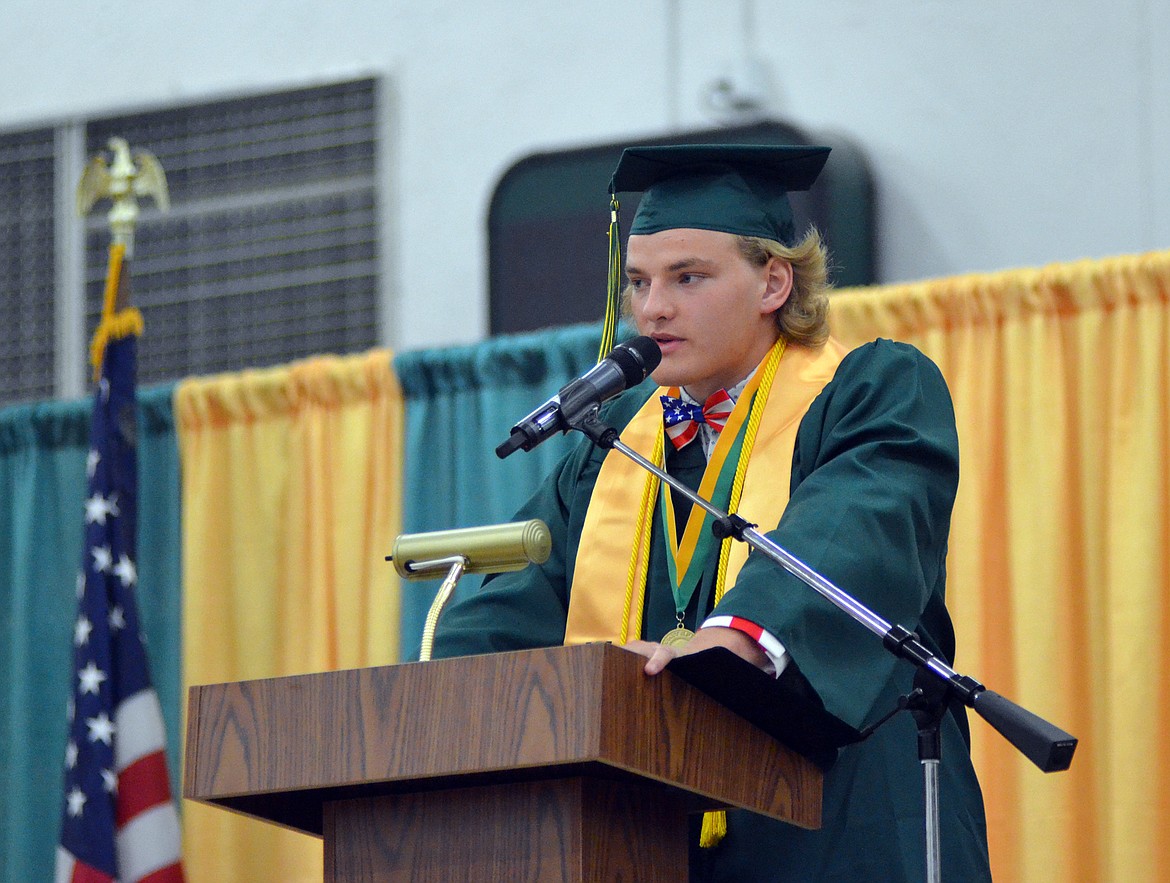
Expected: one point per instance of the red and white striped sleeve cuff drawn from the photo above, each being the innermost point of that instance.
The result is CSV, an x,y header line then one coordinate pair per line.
x,y
774,650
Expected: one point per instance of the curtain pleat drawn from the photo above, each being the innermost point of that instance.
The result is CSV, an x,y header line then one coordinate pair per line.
x,y
1059,568
291,481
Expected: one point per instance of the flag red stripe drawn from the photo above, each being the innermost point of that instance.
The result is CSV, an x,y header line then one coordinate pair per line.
x,y
171,874
83,873
142,785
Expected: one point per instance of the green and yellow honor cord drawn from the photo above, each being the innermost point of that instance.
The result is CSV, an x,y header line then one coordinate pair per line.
x,y
614,281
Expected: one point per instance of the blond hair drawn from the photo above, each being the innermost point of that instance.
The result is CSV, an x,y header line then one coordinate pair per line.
x,y
804,317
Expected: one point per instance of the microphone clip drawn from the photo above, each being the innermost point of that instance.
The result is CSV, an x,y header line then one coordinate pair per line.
x,y
600,433
731,525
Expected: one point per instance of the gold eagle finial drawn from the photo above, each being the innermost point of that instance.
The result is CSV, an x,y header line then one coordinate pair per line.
x,y
123,180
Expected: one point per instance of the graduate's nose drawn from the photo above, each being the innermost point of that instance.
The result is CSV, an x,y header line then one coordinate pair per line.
x,y
656,302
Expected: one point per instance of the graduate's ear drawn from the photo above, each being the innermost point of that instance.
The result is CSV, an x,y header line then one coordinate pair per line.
x,y
777,284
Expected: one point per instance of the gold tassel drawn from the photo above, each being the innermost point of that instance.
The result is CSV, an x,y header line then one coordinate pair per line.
x,y
125,323
113,326
714,828
613,282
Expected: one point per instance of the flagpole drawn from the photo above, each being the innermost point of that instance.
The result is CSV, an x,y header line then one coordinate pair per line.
x,y
118,819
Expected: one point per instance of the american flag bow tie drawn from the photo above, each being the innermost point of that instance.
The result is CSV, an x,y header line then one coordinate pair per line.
x,y
681,419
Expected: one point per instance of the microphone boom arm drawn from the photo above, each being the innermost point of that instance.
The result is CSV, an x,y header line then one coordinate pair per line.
x,y
1043,743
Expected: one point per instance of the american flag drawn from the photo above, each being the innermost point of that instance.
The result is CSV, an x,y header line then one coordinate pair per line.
x,y
118,819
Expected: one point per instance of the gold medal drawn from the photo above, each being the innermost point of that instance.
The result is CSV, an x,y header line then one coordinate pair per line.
x,y
678,637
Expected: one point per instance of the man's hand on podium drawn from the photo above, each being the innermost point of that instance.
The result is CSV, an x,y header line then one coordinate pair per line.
x,y
739,643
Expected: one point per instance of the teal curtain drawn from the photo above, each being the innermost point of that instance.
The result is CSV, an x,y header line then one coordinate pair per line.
x,y
460,403
42,487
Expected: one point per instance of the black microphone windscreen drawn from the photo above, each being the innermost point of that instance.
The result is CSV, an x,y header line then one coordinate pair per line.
x,y
637,358
630,365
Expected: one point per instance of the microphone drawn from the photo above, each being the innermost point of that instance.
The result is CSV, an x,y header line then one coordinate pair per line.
x,y
493,548
627,365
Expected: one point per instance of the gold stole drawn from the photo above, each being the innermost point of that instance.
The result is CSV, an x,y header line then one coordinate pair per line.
x,y
598,594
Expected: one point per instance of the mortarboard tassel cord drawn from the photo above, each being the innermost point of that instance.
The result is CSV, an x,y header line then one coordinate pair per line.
x,y
613,283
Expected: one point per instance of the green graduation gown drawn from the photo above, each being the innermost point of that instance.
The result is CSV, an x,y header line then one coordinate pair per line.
x,y
873,479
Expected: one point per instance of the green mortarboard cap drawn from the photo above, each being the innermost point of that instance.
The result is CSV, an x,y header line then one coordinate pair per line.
x,y
734,188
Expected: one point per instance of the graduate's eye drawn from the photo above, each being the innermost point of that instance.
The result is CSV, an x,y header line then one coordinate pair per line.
x,y
637,284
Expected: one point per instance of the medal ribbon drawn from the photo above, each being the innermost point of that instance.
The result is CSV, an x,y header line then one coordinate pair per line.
x,y
686,559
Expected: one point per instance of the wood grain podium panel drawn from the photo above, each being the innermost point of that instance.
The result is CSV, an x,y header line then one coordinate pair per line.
x,y
558,830
577,732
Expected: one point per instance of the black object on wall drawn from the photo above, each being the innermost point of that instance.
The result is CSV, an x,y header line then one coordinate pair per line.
x,y
549,215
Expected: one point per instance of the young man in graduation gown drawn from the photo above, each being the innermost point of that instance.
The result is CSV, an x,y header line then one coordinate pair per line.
x,y
848,459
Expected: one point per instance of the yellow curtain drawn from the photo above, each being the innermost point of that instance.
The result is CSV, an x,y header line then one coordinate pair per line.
x,y
1060,546
291,490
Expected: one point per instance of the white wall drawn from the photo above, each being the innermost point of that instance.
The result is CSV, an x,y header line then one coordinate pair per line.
x,y
1001,133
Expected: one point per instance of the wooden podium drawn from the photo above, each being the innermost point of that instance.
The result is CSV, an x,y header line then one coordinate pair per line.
x,y
560,764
